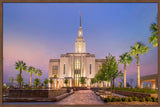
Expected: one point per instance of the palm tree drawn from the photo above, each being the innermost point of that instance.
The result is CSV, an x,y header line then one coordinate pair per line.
x,y
154,38
125,59
136,50
30,71
38,72
19,80
21,66
51,81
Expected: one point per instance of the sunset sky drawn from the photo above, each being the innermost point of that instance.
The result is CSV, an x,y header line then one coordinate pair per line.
x,y
37,32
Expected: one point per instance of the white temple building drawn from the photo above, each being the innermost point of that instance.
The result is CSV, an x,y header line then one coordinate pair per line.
x,y
73,66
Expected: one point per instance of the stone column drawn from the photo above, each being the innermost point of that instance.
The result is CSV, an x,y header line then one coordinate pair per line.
x,y
101,84
96,84
55,83
106,84
109,84
70,82
58,83
49,85
153,84
86,82
156,82
64,83
141,84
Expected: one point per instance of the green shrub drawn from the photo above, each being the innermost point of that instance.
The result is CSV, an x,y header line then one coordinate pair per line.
x,y
26,86
134,98
142,99
11,86
148,99
124,99
130,99
4,87
118,99
107,99
113,99
153,99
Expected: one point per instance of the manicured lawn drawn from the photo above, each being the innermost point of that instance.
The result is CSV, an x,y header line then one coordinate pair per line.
x,y
142,90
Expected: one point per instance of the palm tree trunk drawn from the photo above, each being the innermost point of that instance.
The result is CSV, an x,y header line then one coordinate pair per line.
x,y
30,83
38,77
21,76
124,76
138,72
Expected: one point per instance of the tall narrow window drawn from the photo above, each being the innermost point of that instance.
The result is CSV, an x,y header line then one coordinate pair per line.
x,y
54,70
90,69
64,69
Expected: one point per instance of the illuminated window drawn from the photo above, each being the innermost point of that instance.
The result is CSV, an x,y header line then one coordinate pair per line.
x,y
90,69
64,69
54,69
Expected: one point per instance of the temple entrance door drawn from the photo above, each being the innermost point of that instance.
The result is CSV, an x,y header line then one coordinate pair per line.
x,y
77,77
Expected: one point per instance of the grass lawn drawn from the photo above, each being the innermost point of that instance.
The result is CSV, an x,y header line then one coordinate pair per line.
x,y
142,90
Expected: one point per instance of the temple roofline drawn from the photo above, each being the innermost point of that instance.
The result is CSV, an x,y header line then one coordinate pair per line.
x,y
100,60
147,77
68,54
54,60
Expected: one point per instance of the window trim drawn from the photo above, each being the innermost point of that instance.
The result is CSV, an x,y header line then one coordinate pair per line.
x,y
64,67
90,68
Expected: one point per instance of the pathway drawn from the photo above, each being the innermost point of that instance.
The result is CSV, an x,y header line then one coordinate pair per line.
x,y
81,97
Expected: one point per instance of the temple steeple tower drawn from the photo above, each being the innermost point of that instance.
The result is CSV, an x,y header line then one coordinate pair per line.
x,y
80,45
80,18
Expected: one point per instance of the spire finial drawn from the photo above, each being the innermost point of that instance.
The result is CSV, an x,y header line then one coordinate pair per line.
x,y
80,18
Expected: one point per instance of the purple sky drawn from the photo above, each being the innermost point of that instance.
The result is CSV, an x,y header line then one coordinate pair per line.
x,y
38,32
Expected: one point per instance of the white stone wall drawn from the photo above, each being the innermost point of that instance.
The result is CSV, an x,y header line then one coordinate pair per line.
x,y
64,60
90,60
80,47
51,68
97,66
68,60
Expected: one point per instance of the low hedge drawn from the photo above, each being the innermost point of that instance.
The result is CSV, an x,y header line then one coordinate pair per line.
x,y
130,99
134,98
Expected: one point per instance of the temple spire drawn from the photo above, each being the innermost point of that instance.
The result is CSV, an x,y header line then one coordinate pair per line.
x,y
80,19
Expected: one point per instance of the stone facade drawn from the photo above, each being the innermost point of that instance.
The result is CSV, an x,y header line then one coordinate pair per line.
x,y
74,66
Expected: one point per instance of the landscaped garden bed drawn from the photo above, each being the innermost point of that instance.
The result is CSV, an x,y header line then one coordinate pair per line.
x,y
135,92
130,100
141,90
